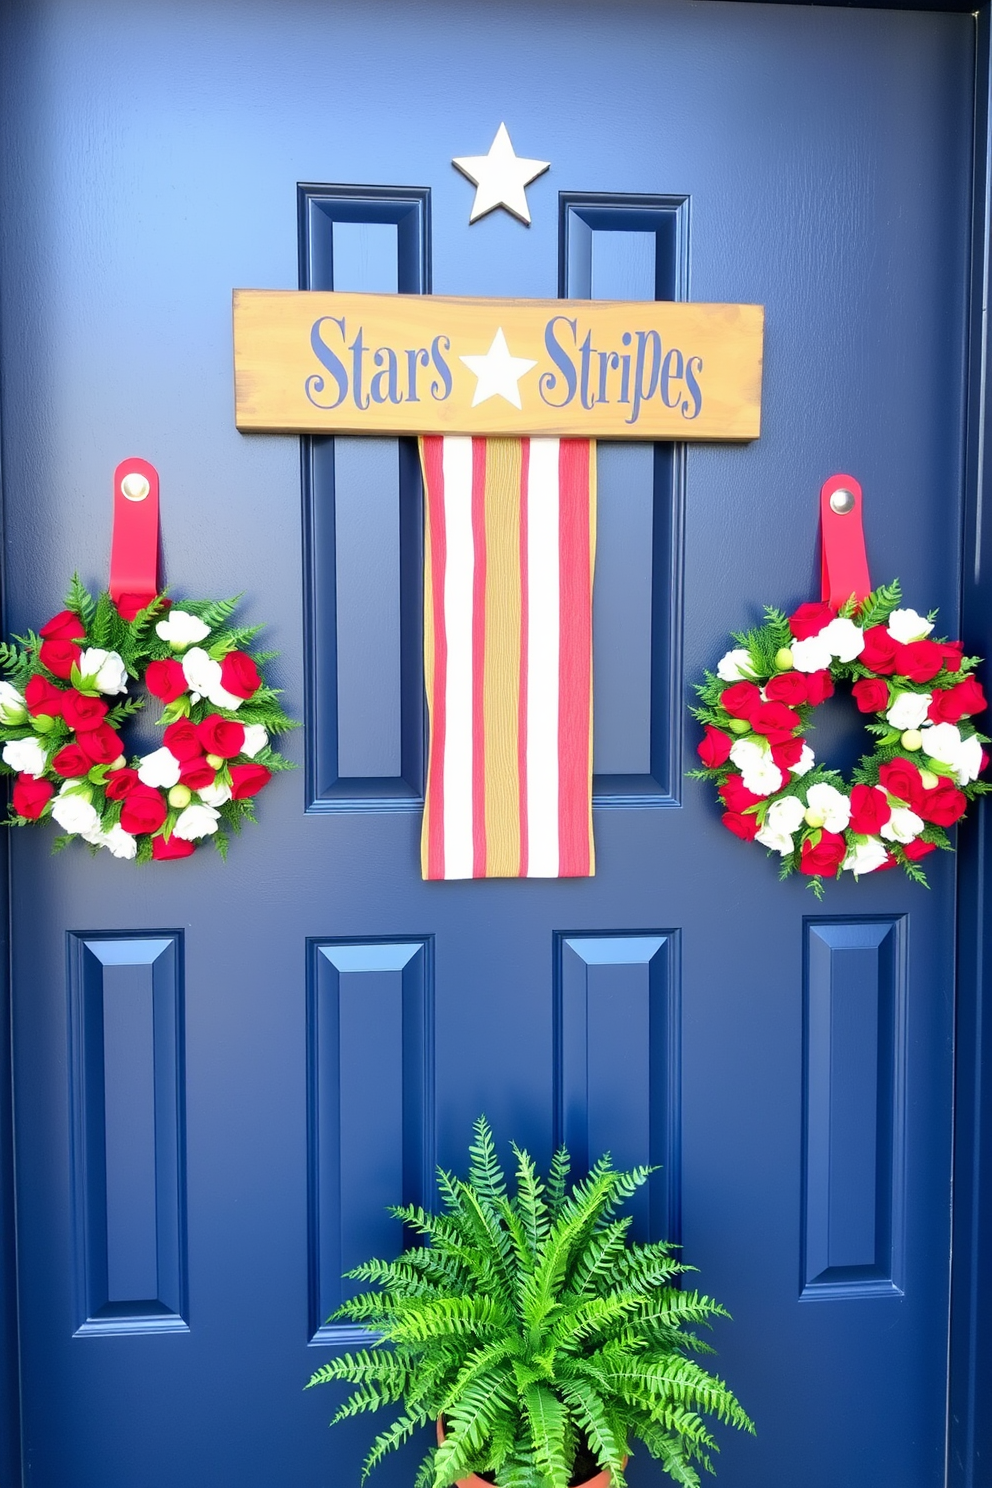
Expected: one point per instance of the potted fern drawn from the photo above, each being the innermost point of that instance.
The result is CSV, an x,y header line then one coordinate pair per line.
x,y
535,1335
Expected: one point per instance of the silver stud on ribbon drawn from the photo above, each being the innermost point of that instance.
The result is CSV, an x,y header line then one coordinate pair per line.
x,y
842,502
135,486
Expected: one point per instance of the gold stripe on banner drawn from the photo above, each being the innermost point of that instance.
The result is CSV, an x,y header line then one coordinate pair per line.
x,y
501,689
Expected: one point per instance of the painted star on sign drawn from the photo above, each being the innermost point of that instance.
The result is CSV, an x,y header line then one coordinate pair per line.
x,y
498,372
500,177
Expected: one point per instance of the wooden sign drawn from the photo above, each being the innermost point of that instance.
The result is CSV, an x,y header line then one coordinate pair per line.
x,y
313,362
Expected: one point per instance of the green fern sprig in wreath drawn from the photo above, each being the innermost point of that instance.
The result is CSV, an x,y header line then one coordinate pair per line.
x,y
543,1338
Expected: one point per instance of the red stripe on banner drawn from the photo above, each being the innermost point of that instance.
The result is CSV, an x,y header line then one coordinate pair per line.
x,y
479,658
575,659
433,447
524,645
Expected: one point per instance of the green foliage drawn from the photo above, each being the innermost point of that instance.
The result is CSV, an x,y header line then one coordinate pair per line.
x,y
879,605
532,1325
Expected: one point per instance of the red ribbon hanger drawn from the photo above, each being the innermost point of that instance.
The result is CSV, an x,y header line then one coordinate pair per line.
x,y
843,560
134,546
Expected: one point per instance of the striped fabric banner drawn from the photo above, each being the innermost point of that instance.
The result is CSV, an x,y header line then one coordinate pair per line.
x,y
509,551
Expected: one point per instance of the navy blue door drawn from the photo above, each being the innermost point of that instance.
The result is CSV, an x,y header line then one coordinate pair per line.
x,y
224,1072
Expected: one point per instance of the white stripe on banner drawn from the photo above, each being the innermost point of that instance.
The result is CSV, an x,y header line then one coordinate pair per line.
x,y
459,575
543,555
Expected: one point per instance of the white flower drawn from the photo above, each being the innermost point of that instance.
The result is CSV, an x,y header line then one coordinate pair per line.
x,y
200,670
844,639
181,629
255,739
196,822
13,709
221,698
865,856
161,768
909,709
119,842
75,813
760,772
907,625
903,825
784,815
735,666
805,762
811,655
778,841
969,761
105,668
25,756
830,804
942,742
214,795
203,675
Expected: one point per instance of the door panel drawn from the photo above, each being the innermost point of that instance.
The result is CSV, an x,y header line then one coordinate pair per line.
x,y
223,1071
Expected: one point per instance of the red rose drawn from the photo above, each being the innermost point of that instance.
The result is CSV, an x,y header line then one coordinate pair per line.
x,y
128,605
920,661
788,687
820,686
176,847
954,703
65,626
944,805
902,780
120,783
826,857
226,737
71,762
31,796
59,657
741,699
951,651
714,750
774,718
166,680
101,744
871,694
196,773
880,651
810,619
239,674
180,739
744,827
787,753
918,849
144,810
247,780
735,794
43,696
81,712
869,809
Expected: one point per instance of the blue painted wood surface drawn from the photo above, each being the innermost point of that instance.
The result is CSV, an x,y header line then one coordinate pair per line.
x,y
151,164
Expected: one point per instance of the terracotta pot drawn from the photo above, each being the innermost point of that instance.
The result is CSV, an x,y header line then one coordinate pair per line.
x,y
601,1480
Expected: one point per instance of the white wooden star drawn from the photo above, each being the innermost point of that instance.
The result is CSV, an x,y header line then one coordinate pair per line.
x,y
500,177
498,372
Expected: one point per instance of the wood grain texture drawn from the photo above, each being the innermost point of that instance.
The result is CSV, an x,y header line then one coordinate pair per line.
x,y
323,362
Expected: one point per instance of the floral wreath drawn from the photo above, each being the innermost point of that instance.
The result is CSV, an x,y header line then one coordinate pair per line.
x,y
62,745
915,783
